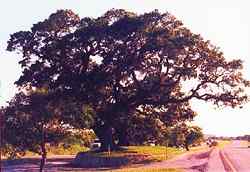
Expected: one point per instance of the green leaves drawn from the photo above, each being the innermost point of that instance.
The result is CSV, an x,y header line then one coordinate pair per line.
x,y
57,23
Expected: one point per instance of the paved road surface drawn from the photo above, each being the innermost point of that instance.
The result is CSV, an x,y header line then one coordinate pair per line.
x,y
239,156
232,158
191,162
215,163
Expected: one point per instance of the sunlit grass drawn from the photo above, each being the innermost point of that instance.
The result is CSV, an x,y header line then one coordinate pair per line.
x,y
198,148
223,143
148,170
71,150
155,153
244,143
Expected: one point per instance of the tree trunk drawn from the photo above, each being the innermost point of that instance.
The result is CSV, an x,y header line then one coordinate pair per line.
x,y
107,140
123,138
43,160
105,133
187,146
43,150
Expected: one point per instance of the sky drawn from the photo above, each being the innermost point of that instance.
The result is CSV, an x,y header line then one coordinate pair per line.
x,y
225,23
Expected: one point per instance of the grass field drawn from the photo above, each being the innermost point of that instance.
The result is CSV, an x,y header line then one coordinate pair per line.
x,y
149,170
244,143
155,153
223,143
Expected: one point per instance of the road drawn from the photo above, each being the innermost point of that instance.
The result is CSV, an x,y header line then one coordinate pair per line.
x,y
234,157
239,156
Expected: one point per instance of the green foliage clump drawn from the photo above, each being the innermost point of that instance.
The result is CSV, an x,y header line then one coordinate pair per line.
x,y
61,149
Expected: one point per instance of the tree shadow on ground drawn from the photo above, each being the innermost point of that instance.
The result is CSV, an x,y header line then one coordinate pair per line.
x,y
84,161
115,160
200,168
9,162
32,164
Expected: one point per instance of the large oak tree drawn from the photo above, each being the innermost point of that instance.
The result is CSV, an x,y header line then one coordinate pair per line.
x,y
123,64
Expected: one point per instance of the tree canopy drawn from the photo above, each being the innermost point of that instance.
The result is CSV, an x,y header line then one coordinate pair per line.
x,y
31,120
29,125
123,65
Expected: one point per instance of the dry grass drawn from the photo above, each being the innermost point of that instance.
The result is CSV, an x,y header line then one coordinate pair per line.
x,y
148,170
127,156
244,143
154,153
71,150
223,143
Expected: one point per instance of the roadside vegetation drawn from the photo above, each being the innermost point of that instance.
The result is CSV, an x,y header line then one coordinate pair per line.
x,y
151,153
61,150
149,170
